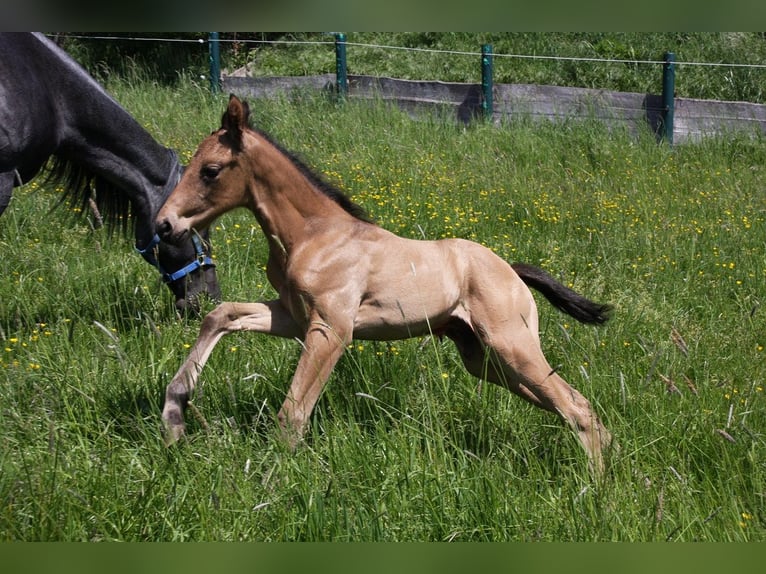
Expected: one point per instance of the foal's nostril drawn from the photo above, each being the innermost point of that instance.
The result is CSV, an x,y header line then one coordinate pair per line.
x,y
164,228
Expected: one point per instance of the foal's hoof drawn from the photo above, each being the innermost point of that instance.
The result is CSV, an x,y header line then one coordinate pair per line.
x,y
175,429
290,437
596,467
173,434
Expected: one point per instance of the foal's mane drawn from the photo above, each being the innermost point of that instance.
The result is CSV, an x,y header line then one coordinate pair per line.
x,y
319,182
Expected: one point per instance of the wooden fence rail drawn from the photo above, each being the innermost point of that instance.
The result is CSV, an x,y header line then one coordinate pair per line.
x,y
693,118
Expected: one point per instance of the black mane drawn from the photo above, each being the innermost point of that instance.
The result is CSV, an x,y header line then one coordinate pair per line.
x,y
73,114
82,185
327,188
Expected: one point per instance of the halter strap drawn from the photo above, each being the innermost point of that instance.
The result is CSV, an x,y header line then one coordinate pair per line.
x,y
148,252
149,255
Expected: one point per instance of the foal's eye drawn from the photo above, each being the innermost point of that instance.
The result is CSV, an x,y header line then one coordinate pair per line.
x,y
210,171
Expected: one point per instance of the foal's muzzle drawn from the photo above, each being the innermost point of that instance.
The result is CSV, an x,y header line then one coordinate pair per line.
x,y
165,229
170,233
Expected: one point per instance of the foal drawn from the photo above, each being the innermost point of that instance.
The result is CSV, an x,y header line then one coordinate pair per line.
x,y
339,276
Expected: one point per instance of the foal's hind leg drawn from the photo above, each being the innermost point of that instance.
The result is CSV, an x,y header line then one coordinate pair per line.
x,y
517,363
527,367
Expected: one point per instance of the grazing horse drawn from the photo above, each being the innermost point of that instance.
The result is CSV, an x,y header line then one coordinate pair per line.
x,y
51,108
339,276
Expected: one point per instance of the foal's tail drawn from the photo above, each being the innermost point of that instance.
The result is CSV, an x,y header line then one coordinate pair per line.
x,y
561,296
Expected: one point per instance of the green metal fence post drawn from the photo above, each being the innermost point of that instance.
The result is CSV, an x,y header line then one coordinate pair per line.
x,y
486,81
341,76
215,62
668,96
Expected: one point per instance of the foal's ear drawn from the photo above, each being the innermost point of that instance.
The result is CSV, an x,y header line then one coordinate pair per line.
x,y
235,119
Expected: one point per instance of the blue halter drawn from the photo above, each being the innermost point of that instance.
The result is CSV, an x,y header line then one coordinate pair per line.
x,y
148,253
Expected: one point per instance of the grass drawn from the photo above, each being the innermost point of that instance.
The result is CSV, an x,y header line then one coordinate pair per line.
x,y
403,445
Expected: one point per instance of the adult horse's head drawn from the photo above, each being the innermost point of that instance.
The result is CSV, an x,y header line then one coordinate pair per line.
x,y
194,274
214,182
186,266
50,107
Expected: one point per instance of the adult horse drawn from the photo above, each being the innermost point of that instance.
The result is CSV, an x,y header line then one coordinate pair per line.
x,y
339,276
51,108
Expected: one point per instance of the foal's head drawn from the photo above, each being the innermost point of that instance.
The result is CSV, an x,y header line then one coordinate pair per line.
x,y
215,180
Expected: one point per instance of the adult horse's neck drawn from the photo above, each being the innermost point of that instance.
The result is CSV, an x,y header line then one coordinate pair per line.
x,y
98,134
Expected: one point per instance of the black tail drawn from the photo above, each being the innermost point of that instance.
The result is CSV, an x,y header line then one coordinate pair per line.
x,y
562,297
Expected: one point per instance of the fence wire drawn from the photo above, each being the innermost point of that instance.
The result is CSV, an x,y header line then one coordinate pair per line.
x,y
206,40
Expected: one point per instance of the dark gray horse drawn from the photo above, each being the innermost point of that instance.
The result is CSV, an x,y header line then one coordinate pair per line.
x,y
51,109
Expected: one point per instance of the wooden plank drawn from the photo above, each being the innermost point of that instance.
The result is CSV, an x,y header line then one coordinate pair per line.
x,y
275,86
694,118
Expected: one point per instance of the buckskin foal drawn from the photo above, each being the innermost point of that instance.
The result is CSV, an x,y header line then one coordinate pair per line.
x,y
339,277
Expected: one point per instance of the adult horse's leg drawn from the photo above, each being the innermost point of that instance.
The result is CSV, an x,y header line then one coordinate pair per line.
x,y
6,189
269,317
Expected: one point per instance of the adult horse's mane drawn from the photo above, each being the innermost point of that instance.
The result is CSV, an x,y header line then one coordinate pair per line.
x,y
318,181
80,183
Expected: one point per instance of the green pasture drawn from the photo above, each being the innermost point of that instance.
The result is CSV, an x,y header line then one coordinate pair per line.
x,y
403,445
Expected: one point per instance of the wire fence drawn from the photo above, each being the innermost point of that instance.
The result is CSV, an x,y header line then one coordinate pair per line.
x,y
205,40
655,103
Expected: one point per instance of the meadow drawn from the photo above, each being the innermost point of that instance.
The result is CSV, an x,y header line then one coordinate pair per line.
x,y
403,445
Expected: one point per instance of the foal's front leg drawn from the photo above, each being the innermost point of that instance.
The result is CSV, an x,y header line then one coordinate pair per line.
x,y
269,317
322,347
